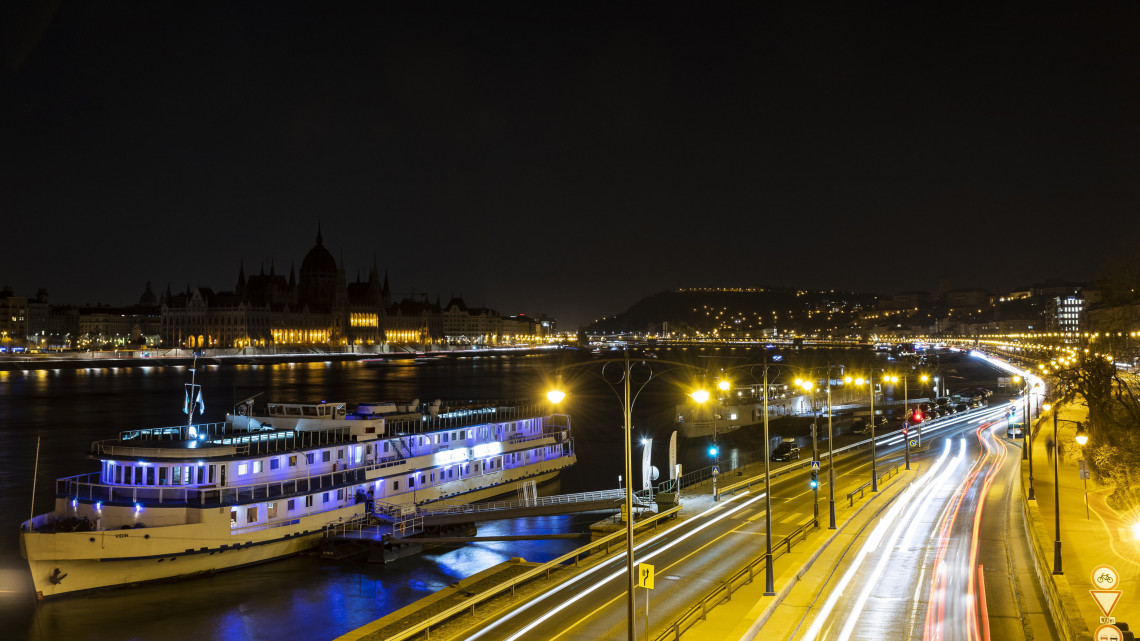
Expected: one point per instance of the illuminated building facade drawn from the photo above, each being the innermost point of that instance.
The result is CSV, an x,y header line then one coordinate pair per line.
x,y
313,307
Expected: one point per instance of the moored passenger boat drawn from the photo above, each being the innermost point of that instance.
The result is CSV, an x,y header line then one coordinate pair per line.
x,y
198,498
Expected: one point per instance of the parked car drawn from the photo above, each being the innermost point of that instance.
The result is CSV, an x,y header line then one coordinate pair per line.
x,y
787,450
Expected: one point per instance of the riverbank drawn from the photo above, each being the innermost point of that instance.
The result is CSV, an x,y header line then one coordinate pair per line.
x,y
184,357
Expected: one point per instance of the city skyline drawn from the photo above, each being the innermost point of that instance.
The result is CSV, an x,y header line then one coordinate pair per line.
x,y
567,162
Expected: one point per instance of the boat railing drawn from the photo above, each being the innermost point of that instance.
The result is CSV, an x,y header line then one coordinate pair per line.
x,y
472,414
87,487
245,443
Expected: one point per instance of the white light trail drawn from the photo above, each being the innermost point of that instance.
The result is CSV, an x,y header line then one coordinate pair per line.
x,y
905,501
582,593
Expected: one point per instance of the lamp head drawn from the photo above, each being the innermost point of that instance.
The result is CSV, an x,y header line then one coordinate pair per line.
x,y
700,395
1082,437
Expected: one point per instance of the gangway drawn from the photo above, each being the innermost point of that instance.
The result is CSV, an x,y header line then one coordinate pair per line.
x,y
446,514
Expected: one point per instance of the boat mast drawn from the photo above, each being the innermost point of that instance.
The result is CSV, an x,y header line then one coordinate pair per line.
x,y
35,473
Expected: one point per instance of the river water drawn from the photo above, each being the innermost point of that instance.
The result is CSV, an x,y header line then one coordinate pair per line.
x,y
300,598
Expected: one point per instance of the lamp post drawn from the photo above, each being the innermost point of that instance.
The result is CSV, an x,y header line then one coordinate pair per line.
x,y
830,447
769,579
556,396
1057,567
871,388
628,398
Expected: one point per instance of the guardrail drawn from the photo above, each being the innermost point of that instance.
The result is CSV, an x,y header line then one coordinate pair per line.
x,y
859,490
723,592
542,570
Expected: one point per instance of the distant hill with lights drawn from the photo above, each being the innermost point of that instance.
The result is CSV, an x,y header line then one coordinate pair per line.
x,y
741,312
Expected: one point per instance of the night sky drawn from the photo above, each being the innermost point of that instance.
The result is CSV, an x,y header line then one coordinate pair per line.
x,y
567,158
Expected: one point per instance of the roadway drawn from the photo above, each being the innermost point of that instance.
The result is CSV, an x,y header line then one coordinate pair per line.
x,y
933,536
920,571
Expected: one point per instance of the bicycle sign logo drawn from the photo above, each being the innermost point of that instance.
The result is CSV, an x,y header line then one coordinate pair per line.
x,y
1104,577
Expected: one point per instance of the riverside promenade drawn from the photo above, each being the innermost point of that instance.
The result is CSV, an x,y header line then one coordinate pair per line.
x,y
1090,537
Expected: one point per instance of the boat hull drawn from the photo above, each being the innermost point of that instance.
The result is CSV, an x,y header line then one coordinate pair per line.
x,y
69,562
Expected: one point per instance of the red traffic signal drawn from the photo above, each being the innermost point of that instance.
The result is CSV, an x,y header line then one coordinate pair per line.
x,y
905,430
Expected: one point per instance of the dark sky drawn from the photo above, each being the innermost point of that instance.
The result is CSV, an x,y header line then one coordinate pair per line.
x,y
567,158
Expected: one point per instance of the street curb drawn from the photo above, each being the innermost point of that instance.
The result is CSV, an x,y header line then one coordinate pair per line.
x,y
1058,593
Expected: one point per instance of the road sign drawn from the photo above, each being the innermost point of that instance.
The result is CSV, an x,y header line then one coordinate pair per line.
x,y
1106,600
645,576
913,443
1084,469
1108,633
1108,620
815,465
716,470
1104,577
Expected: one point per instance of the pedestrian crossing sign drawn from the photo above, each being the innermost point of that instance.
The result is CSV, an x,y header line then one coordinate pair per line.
x,y
815,465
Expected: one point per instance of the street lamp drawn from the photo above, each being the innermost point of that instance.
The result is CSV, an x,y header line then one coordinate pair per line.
x,y
871,387
807,385
556,396
1081,439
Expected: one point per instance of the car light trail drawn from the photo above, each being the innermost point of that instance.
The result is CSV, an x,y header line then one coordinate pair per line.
x,y
905,501
582,593
963,571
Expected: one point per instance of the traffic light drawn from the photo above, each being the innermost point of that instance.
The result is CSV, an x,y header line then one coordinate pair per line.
x,y
905,430
712,451
814,479
917,416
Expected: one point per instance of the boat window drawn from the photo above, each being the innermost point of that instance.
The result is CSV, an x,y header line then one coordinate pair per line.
x,y
325,498
176,475
271,510
340,454
233,518
309,458
258,466
411,481
243,469
274,463
310,411
150,476
293,410
292,504
119,475
395,485
326,456
340,494
251,514
309,501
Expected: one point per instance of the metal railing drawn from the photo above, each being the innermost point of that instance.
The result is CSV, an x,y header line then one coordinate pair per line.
x,y
560,499
723,592
859,490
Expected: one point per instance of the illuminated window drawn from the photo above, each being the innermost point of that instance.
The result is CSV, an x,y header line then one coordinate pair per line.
x,y
251,515
257,467
243,468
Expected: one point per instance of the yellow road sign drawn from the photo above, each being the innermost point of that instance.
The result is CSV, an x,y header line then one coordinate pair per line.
x,y
645,576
